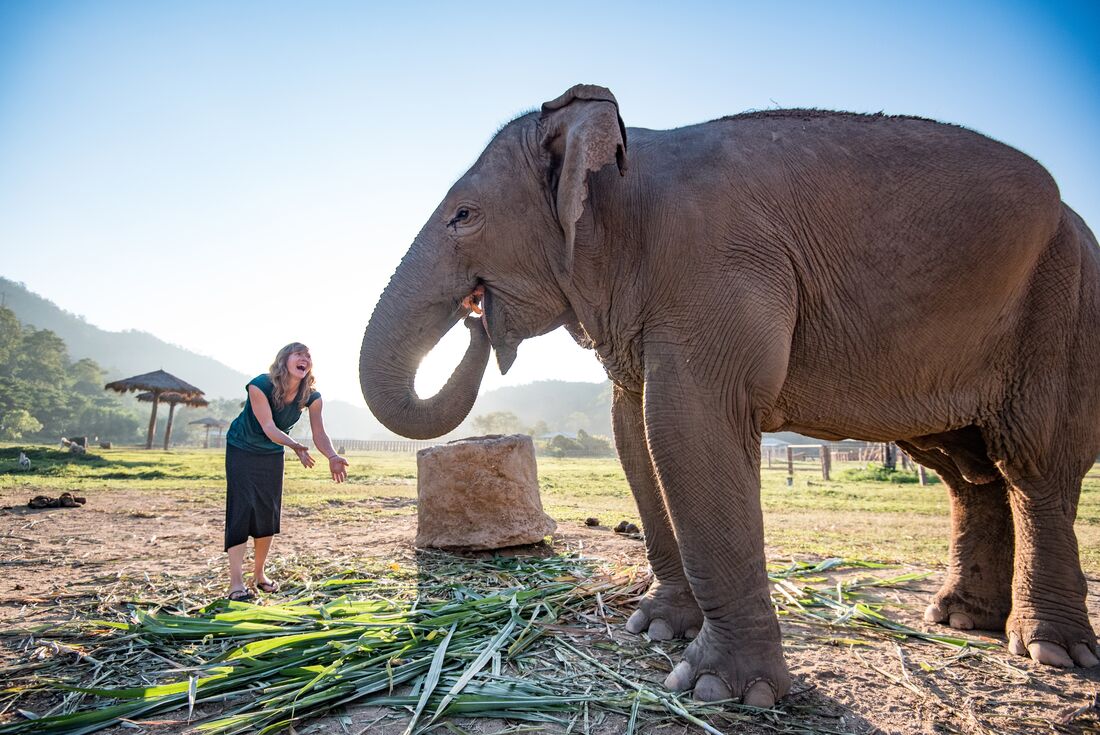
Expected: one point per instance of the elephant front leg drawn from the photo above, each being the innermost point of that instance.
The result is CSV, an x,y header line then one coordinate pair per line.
x,y
707,453
668,609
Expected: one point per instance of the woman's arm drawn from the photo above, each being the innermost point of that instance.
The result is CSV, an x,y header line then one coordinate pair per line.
x,y
337,465
262,409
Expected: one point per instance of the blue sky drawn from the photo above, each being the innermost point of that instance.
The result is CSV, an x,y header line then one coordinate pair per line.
x,y
234,176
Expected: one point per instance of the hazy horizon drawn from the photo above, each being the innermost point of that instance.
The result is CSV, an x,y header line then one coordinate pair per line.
x,y
230,178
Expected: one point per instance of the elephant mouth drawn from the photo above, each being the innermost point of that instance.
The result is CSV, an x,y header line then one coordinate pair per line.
x,y
482,301
472,302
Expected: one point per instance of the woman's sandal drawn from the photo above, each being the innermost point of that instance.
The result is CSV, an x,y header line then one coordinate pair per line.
x,y
269,588
239,596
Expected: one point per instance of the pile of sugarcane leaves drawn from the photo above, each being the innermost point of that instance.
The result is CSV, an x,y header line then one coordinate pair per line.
x,y
518,638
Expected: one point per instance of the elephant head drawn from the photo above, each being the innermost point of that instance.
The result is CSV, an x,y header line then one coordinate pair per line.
x,y
504,236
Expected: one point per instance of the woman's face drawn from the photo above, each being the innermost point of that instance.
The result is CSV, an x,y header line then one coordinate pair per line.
x,y
299,364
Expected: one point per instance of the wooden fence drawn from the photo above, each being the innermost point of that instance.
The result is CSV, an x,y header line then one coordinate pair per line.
x,y
822,456
401,446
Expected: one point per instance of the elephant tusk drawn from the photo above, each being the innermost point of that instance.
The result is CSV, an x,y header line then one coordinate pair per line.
x,y
472,301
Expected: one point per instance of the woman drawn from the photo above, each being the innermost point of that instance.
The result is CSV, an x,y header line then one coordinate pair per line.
x,y
254,460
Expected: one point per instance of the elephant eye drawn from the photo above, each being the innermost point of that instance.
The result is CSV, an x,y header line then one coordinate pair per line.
x,y
461,215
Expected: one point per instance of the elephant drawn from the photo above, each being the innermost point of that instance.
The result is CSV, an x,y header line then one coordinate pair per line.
x,y
842,275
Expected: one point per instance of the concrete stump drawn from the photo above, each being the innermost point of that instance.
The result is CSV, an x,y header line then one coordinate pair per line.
x,y
480,493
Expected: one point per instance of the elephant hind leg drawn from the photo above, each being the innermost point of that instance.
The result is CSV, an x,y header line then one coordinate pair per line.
x,y
977,590
1049,619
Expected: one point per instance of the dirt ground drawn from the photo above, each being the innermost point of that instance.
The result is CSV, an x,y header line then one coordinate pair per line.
x,y
53,558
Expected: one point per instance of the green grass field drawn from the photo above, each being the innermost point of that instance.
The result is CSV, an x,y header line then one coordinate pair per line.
x,y
880,521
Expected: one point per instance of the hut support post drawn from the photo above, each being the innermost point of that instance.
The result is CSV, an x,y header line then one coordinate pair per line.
x,y
168,427
206,439
152,421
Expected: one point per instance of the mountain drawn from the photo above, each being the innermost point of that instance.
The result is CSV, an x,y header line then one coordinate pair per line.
x,y
564,406
122,354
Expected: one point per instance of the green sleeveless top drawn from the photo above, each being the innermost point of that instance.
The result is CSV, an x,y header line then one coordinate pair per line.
x,y
245,431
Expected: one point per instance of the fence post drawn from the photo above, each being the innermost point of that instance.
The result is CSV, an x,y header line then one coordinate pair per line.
x,y
922,474
790,462
826,461
889,456
768,450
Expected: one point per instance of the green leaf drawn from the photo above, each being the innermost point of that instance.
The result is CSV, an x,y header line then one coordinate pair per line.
x,y
432,678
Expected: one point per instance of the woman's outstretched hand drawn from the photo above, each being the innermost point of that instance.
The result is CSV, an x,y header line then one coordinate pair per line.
x,y
338,466
303,456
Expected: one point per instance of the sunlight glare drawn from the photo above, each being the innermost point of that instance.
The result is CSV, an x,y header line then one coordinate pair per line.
x,y
438,364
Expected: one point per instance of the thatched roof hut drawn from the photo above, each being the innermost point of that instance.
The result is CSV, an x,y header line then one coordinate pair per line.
x,y
210,423
173,400
159,383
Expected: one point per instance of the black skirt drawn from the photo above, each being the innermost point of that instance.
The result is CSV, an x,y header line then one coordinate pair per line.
x,y
253,494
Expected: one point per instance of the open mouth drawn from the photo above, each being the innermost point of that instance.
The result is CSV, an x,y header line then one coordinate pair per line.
x,y
472,302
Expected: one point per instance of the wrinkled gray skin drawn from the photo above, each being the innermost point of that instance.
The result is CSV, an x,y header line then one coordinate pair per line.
x,y
840,275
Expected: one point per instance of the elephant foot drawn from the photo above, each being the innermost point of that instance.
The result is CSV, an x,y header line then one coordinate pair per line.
x,y
667,612
1062,644
964,611
716,669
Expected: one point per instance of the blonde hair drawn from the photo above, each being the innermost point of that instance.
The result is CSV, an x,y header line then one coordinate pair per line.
x,y
280,377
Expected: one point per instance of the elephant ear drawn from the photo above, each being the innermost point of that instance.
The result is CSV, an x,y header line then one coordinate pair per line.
x,y
582,132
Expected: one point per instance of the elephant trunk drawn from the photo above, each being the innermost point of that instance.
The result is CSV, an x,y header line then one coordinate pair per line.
x,y
402,330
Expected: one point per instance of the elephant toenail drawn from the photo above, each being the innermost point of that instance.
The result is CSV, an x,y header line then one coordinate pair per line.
x,y
759,694
691,632
934,614
1015,646
1083,654
1050,654
680,679
637,622
709,688
659,630
961,621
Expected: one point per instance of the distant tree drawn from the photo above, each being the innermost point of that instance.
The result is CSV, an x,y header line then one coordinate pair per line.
x,y
225,409
585,445
87,378
42,357
18,422
593,445
539,428
498,422
11,336
43,395
562,446
112,423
